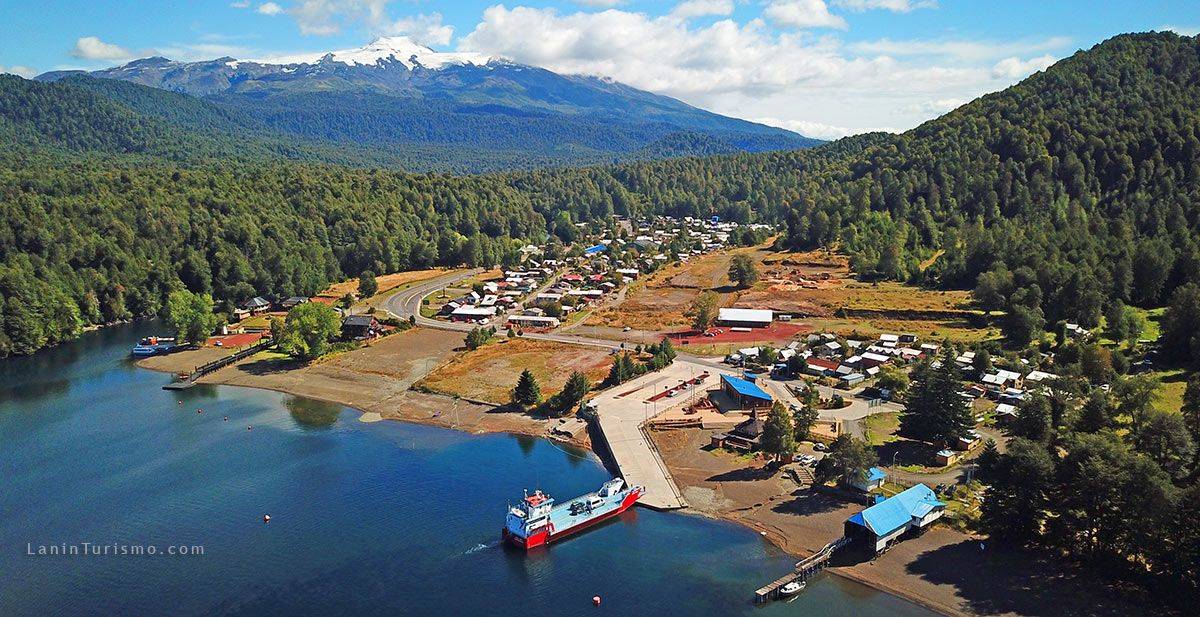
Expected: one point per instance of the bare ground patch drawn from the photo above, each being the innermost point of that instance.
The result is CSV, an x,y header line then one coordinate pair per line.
x,y
490,372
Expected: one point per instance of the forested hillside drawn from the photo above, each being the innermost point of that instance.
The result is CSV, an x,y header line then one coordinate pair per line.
x,y
1069,191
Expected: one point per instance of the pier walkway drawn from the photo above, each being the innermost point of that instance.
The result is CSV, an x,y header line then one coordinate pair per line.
x,y
803,571
621,413
183,382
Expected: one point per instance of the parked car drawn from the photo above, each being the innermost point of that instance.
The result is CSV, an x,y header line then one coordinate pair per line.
x,y
820,447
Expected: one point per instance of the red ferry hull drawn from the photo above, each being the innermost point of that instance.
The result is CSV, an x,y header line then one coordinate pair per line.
x,y
546,537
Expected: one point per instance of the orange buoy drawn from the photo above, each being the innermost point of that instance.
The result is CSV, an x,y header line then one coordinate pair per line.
x,y
595,600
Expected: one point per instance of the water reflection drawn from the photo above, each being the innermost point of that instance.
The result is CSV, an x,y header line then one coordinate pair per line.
x,y
526,444
311,414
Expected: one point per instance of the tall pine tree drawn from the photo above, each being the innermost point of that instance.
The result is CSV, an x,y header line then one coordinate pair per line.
x,y
935,412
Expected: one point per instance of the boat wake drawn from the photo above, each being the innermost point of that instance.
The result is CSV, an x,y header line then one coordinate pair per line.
x,y
482,547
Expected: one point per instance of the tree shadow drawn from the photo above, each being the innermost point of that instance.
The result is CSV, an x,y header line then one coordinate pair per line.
x,y
806,502
906,452
745,474
1001,580
271,366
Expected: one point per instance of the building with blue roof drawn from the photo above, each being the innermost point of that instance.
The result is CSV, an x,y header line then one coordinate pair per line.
x,y
745,393
874,478
911,510
592,250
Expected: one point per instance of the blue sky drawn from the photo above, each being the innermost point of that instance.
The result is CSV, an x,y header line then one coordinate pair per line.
x,y
822,67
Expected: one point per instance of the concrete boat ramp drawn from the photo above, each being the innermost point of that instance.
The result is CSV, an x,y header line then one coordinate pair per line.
x,y
621,413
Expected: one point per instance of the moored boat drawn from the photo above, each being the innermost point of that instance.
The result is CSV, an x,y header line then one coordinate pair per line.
x,y
154,345
538,520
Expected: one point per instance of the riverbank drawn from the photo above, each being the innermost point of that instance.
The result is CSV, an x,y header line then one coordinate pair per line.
x,y
944,570
375,379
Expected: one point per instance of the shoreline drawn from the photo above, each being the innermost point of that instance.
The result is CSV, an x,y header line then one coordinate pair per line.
x,y
371,416
774,536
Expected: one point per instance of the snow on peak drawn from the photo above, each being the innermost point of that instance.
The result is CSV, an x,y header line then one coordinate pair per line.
x,y
386,49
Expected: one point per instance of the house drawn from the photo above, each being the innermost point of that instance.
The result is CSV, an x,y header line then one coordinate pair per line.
x,y
746,318
821,367
256,305
851,380
874,478
946,458
359,327
595,249
293,302
472,313
871,358
533,321
1005,412
745,393
746,436
240,314
826,350
881,524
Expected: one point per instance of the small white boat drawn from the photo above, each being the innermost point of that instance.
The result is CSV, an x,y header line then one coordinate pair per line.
x,y
791,588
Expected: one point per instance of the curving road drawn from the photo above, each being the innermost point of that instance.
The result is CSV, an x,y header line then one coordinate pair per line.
x,y
407,304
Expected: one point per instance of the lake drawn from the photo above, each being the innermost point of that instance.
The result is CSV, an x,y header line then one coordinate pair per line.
x,y
381,518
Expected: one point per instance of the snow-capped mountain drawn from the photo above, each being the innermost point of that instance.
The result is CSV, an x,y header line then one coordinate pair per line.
x,y
394,91
385,50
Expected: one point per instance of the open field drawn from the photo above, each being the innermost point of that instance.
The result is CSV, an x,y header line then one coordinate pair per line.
x,y
881,428
815,287
1170,393
490,372
660,301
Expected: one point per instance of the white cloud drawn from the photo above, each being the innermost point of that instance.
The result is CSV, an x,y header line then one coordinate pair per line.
x,y
242,4
819,130
599,4
935,107
958,49
1014,67
269,8
1183,30
92,48
895,6
803,14
794,79
16,69
702,8
426,29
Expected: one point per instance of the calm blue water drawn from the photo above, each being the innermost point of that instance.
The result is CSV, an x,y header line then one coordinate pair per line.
x,y
383,518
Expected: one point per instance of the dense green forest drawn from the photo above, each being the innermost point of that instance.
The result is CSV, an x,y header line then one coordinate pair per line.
x,y
1074,189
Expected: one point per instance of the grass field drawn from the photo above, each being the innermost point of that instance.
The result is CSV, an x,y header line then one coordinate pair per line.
x,y
490,372
1170,393
881,428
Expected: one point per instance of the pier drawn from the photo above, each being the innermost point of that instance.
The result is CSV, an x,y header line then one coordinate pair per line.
x,y
621,415
804,570
184,382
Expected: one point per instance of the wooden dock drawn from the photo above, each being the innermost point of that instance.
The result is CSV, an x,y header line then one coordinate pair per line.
x,y
804,570
183,383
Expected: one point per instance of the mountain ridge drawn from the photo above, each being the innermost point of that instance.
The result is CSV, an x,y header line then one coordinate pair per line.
x,y
393,93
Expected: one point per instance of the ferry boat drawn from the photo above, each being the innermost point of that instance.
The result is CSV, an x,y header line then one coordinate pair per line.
x,y
154,345
538,520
